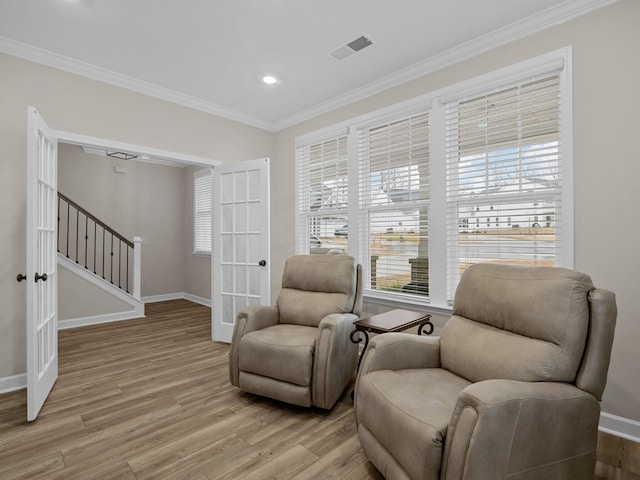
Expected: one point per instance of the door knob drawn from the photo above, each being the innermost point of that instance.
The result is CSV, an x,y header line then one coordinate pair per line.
x,y
42,277
21,277
262,263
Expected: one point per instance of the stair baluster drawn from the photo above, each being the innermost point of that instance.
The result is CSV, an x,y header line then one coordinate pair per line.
x,y
118,268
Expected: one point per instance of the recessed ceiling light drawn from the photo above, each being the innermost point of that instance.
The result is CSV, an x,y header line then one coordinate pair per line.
x,y
269,79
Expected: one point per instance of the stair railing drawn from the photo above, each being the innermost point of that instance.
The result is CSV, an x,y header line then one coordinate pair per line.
x,y
94,245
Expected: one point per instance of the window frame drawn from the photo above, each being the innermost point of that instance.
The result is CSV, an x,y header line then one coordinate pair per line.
x,y
439,300
364,191
302,214
197,176
508,170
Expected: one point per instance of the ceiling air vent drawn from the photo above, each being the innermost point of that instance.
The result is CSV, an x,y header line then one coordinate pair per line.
x,y
121,155
352,47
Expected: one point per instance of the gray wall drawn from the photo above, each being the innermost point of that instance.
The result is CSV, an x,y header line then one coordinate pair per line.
x,y
147,201
606,97
152,201
78,105
606,74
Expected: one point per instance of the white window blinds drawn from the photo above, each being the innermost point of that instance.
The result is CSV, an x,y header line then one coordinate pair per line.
x,y
202,211
394,205
479,171
504,177
322,197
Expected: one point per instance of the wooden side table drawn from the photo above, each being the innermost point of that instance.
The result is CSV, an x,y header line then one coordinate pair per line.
x,y
392,321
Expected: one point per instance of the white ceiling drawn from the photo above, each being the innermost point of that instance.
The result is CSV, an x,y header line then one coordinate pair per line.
x,y
211,54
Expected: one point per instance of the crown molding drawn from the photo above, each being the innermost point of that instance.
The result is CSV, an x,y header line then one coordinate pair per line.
x,y
61,62
567,10
550,17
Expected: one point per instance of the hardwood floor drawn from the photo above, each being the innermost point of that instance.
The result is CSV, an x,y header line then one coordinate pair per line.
x,y
618,458
150,399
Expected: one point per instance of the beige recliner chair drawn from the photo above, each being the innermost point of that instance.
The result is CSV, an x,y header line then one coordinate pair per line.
x,y
510,390
298,351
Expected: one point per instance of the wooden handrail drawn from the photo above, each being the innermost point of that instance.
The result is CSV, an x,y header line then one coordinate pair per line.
x,y
111,254
95,219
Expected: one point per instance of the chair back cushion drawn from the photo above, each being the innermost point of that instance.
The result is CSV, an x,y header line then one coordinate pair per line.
x,y
314,286
518,323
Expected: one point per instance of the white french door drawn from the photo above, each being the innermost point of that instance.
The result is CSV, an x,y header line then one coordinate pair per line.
x,y
42,295
240,246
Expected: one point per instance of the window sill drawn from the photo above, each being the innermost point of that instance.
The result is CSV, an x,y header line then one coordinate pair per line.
x,y
201,254
406,303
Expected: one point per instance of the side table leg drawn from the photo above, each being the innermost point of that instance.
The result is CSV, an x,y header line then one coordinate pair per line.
x,y
353,338
357,339
429,327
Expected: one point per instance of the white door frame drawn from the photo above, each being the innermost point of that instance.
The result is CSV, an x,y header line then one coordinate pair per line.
x,y
36,396
155,153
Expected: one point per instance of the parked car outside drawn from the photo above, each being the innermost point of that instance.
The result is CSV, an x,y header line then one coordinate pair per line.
x,y
342,231
318,247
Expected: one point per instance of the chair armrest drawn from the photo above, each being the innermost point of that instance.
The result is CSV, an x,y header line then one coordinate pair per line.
x,y
500,427
335,358
399,351
248,319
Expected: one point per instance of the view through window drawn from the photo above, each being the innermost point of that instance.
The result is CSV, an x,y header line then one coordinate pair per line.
x,y
202,189
322,215
503,177
394,205
418,192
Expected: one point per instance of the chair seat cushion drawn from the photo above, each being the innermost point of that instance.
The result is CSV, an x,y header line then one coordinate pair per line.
x,y
283,352
408,412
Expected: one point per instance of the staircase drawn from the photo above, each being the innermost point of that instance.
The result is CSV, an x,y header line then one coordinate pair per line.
x,y
91,249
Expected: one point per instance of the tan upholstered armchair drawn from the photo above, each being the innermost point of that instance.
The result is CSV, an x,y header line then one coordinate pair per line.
x,y
510,390
298,351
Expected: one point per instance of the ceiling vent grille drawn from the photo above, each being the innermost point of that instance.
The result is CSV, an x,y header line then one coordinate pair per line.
x,y
352,47
121,155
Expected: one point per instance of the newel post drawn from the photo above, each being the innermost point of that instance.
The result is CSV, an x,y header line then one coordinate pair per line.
x,y
137,266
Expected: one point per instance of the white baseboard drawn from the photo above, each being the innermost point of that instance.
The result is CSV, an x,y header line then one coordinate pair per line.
x,y
201,300
177,296
13,383
98,319
620,426
163,298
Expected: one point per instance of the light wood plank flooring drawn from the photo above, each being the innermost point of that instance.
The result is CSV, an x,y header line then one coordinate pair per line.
x,y
150,399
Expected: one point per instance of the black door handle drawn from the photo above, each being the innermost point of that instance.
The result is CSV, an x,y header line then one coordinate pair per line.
x,y
262,263
21,277
42,277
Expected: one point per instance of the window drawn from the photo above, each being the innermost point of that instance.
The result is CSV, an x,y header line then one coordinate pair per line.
x,y
394,205
202,211
503,149
476,172
322,197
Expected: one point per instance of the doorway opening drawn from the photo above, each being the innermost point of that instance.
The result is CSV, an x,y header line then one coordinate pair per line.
x,y
138,192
